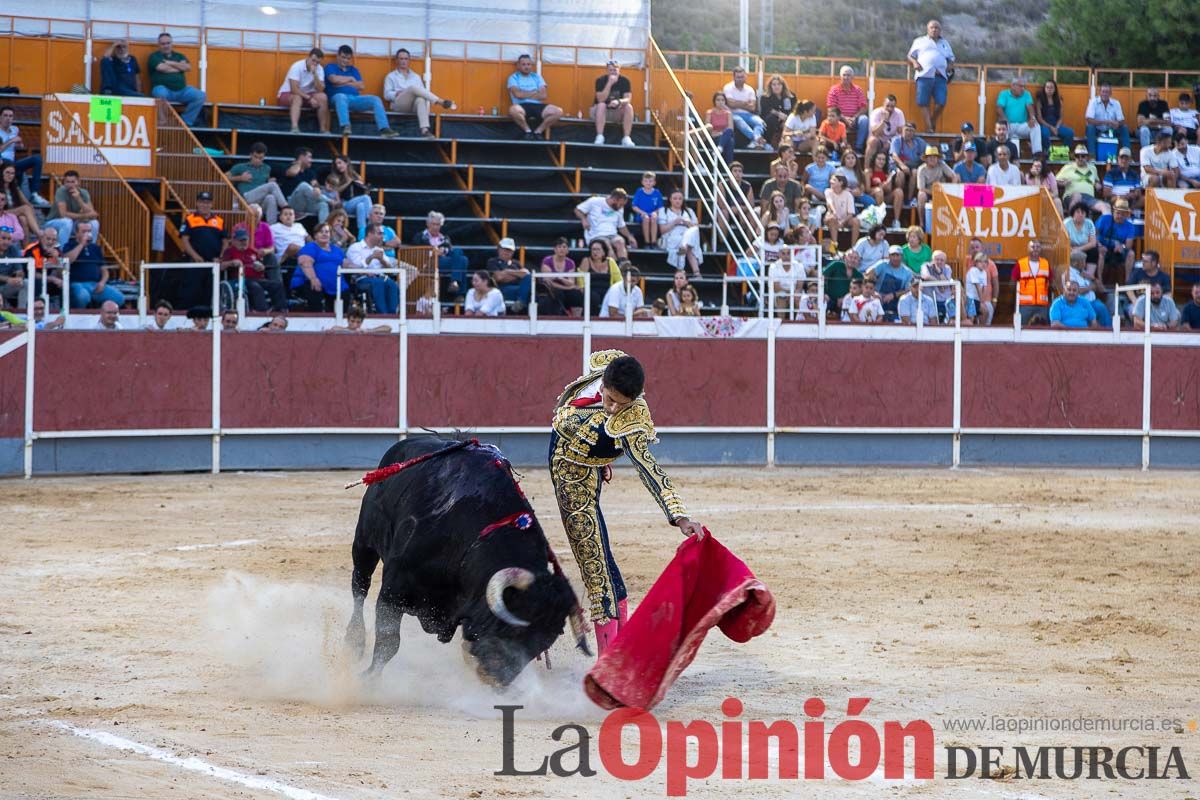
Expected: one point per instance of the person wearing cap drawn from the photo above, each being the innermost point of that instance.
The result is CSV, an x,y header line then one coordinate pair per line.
x,y
510,275
969,170
1004,172
932,60
528,93
914,302
1015,106
742,100
1032,275
1104,116
405,93
1160,166
1116,233
200,317
966,136
908,153
851,101
934,170
204,238
1080,183
892,279
885,122
264,293
345,90
614,103
1124,180
604,218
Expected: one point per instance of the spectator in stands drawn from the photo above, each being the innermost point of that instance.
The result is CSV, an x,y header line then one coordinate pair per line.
x,y
1160,167
1016,107
12,277
345,89
1190,316
1048,110
883,185
355,318
937,269
1084,276
742,100
510,275
886,123
484,299
162,316
16,202
1187,156
72,205
1081,233
625,295
613,103
264,292
301,188
781,183
1116,233
969,170
856,180
261,238
1164,316
719,121
89,275
786,276
978,288
1032,275
871,249
817,175
603,269
168,81
689,302
1040,175
10,222
604,218
774,107
277,324
861,304
371,254
892,279
672,298
1081,183
1149,270
1184,118
204,239
851,101
304,86
840,213
1004,172
1000,137
1072,311
646,203
974,250
289,235
932,59
800,128
405,93
200,317
787,155
390,239
1153,117
1124,180
229,321
47,260
913,303
908,151
839,275
317,277
528,93
832,133
253,179
966,136
680,234
932,172
1105,118
452,262
916,252
110,317
561,294
353,191
119,73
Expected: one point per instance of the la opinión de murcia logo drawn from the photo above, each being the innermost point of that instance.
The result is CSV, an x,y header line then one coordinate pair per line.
x,y
737,749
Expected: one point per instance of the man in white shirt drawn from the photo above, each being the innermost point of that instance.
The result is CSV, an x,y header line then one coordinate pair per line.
x,y
404,91
1003,172
305,86
932,58
10,143
742,100
1187,157
289,236
370,254
1104,116
914,302
110,317
1185,118
623,295
604,218
1160,165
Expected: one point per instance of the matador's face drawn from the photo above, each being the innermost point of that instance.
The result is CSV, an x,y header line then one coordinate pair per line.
x,y
613,400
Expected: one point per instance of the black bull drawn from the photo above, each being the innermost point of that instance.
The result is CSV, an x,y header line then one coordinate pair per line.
x,y
424,523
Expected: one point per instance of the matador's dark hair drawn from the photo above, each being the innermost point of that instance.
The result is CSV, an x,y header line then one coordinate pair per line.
x,y
625,375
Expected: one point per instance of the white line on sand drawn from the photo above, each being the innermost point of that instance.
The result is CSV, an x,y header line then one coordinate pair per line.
x,y
757,508
193,764
234,543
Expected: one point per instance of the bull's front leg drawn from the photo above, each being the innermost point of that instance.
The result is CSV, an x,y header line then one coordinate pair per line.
x,y
387,632
365,562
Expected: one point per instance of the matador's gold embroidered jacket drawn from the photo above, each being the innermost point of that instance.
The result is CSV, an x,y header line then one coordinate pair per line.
x,y
589,437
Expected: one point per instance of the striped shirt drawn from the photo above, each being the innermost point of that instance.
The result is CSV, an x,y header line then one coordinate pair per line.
x,y
848,101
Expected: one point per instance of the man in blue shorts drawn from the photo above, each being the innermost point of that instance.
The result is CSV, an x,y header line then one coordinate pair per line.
x,y
932,59
528,93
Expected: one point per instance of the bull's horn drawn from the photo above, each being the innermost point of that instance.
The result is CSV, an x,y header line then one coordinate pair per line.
x,y
516,577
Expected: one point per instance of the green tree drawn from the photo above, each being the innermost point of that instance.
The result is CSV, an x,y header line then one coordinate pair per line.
x,y
1130,34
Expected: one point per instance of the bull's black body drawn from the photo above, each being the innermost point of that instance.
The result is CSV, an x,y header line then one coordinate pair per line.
x,y
424,524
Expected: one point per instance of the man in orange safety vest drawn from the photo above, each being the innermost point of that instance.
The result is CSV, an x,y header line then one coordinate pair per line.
x,y
1033,278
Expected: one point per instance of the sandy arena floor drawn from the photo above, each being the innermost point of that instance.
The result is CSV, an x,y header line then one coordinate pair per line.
x,y
201,617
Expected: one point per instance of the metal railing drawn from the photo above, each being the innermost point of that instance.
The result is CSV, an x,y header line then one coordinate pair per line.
x,y
189,169
124,218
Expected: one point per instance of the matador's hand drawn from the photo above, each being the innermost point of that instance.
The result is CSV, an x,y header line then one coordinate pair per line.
x,y
690,528
606,473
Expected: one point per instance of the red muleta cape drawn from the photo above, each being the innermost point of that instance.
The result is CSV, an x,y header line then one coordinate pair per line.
x,y
705,585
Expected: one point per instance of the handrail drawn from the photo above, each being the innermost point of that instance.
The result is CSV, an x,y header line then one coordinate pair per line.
x,y
189,169
124,218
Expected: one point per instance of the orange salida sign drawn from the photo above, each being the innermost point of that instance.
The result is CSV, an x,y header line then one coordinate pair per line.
x,y
72,133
